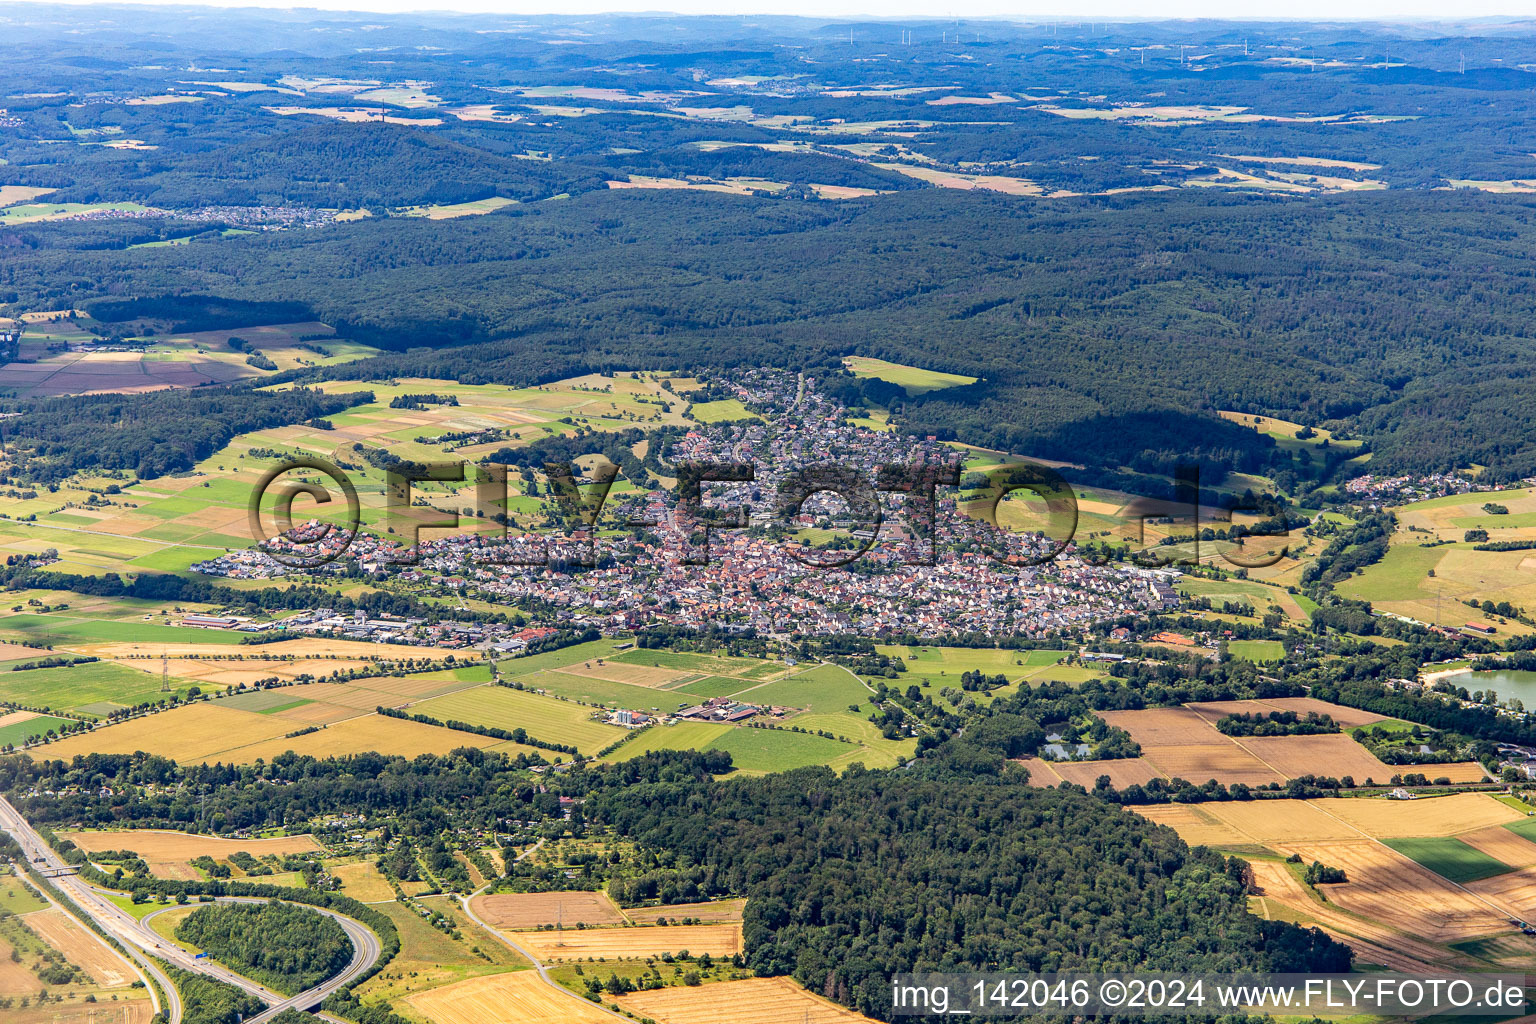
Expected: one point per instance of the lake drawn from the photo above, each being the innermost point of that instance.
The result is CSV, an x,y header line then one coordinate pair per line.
x,y
1506,684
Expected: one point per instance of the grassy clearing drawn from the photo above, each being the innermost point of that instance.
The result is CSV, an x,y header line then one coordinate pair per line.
x,y
758,751
914,378
1450,858
725,410
430,959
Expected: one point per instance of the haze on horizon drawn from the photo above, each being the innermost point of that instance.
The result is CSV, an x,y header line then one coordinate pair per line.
x,y
1325,11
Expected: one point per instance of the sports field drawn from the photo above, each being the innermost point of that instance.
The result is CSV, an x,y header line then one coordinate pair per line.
x,y
749,1001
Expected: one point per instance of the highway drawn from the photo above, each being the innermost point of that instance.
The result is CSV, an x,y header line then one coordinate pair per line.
x,y
142,942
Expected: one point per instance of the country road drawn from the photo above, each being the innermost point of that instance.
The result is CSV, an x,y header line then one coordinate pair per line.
x,y
142,942
506,940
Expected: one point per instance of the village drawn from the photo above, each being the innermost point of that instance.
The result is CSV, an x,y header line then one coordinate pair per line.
x,y
910,569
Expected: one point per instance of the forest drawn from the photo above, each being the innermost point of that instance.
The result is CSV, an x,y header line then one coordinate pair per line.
x,y
849,878
1114,327
285,947
1339,264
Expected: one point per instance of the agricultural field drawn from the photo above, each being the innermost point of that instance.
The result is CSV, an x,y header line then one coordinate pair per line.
x,y
206,732
724,411
682,736
1402,582
1273,823
1184,743
943,666
17,727
93,689
632,943
521,996
515,911
431,960
1257,651
19,897
547,719
169,854
1414,885
169,523
749,1001
713,912
1449,857
1122,772
362,881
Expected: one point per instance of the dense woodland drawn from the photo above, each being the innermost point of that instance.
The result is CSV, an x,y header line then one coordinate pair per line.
x,y
1105,327
849,878
286,947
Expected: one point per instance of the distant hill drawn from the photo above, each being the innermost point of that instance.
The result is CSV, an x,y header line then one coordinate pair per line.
x,y
339,165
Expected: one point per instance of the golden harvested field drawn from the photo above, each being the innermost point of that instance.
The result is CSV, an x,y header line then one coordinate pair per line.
x,y
1372,942
16,979
190,734
1281,823
513,910
370,732
81,948
1199,762
1502,845
1162,727
1195,824
1347,718
1515,890
633,943
362,881
1122,772
520,996
169,854
1271,822
1407,819
1185,743
1386,886
124,1011
716,911
752,1001
1332,754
